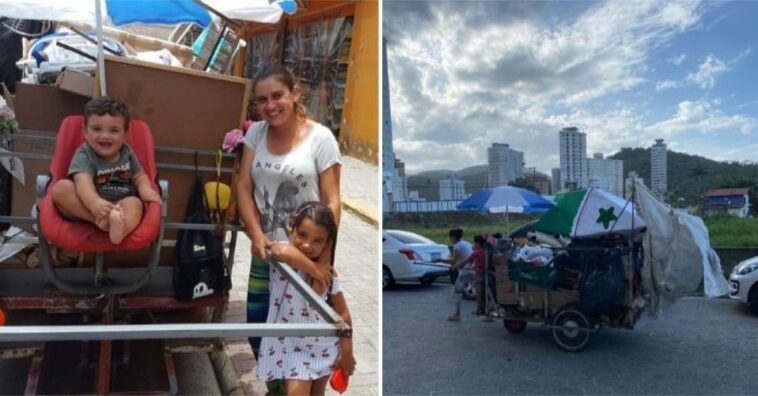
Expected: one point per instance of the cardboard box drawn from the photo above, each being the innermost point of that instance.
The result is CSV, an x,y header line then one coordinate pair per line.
x,y
77,82
43,107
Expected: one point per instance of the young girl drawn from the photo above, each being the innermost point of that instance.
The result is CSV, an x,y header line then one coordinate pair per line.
x,y
305,363
476,263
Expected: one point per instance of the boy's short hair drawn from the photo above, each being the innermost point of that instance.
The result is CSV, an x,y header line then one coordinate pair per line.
x,y
107,105
456,233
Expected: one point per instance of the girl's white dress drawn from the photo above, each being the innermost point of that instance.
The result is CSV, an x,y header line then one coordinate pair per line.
x,y
306,358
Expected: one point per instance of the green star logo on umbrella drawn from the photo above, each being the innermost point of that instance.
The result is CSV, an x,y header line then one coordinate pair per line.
x,y
606,216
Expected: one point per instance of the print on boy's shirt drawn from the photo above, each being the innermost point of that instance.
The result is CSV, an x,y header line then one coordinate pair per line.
x,y
286,169
116,180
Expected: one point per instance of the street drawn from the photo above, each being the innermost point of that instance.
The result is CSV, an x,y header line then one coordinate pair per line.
x,y
697,346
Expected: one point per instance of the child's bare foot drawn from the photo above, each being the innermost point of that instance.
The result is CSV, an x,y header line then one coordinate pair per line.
x,y
117,231
454,318
103,224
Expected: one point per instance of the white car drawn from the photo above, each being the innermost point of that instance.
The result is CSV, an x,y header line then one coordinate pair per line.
x,y
408,257
744,282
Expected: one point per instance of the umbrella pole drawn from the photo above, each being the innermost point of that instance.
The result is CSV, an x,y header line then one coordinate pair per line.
x,y
100,54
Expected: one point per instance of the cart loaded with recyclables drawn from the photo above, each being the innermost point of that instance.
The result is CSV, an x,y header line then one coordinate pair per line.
x,y
596,260
65,281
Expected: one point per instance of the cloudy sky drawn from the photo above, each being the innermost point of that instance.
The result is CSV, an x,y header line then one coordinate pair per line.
x,y
465,74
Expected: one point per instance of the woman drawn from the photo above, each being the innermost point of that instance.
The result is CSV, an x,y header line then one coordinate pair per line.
x,y
288,159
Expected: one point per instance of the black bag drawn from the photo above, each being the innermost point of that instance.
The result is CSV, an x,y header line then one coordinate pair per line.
x,y
199,268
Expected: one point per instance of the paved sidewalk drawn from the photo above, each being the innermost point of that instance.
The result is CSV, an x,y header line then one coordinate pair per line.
x,y
360,188
357,258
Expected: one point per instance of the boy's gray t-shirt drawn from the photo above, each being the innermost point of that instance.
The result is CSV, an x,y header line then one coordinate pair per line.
x,y
113,180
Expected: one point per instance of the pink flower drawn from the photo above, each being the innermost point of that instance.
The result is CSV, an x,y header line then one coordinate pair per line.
x,y
232,139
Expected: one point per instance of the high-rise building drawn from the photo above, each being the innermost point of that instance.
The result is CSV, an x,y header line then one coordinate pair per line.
x,y
573,154
606,174
658,182
452,188
399,182
556,182
539,180
388,156
504,164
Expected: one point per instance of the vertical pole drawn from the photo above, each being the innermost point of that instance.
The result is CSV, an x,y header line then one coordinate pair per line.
x,y
100,55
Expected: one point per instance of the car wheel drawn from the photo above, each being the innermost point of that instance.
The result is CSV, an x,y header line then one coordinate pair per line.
x,y
469,290
514,326
752,298
571,329
387,279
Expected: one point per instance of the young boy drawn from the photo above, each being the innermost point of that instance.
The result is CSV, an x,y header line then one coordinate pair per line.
x,y
106,184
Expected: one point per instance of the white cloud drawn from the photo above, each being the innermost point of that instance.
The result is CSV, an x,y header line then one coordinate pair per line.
x,y
702,116
677,60
666,84
707,72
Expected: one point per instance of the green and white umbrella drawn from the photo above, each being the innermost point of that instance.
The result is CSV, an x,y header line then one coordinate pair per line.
x,y
590,213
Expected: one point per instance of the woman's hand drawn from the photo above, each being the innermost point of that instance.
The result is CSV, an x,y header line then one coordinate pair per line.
x,y
259,245
346,359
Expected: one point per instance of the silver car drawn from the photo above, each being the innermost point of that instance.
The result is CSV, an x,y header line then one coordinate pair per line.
x,y
408,257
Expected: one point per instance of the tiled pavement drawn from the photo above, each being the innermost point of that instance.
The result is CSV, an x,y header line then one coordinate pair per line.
x,y
357,258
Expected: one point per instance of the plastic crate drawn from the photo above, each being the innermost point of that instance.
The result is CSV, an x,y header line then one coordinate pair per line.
x,y
541,276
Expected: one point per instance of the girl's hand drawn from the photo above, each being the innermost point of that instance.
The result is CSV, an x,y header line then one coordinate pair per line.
x,y
147,194
101,209
346,359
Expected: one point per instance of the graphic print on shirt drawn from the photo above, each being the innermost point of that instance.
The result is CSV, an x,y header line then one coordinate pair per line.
x,y
116,180
274,218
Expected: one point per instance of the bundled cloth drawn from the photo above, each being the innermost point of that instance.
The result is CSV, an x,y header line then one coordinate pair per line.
x,y
536,255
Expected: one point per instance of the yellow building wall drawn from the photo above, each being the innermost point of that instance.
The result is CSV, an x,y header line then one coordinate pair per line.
x,y
359,133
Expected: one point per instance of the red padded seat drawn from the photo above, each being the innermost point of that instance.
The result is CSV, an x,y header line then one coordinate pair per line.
x,y
84,236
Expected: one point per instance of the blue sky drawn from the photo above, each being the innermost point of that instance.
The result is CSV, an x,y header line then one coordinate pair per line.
x,y
466,74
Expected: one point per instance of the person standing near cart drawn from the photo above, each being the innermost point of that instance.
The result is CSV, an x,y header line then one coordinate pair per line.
x,y
462,250
288,159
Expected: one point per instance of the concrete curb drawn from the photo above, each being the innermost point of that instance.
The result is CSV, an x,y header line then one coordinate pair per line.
x,y
360,211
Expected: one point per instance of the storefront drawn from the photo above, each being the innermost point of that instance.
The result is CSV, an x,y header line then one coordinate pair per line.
x,y
332,47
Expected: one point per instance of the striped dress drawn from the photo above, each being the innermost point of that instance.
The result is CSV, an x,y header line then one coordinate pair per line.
x,y
304,358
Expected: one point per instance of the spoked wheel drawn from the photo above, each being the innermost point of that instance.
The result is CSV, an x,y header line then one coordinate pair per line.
x,y
571,329
514,326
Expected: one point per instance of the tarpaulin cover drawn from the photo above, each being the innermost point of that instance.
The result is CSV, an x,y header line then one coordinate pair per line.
x,y
676,253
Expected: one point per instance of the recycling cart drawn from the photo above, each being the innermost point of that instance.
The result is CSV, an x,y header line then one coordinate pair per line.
x,y
597,260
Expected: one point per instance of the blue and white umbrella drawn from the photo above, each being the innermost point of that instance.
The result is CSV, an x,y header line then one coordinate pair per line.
x,y
506,199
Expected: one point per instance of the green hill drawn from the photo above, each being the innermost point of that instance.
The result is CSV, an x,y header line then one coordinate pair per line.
x,y
691,176
428,183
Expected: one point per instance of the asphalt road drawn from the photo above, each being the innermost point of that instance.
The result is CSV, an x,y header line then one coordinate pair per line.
x,y
697,347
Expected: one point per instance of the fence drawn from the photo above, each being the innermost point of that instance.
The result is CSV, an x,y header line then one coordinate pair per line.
x,y
424,206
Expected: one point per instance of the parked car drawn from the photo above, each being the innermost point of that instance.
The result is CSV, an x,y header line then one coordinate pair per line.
x,y
744,282
408,257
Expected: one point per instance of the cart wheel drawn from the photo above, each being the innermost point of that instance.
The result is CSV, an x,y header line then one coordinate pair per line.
x,y
571,330
514,326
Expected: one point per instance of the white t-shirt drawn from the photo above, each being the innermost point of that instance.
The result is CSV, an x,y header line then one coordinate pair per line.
x,y
284,182
464,250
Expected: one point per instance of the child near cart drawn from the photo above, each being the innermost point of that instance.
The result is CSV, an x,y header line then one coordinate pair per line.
x,y
305,363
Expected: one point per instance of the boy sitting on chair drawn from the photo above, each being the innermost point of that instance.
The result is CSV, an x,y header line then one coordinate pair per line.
x,y
106,184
